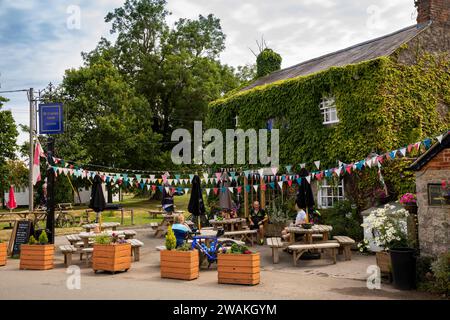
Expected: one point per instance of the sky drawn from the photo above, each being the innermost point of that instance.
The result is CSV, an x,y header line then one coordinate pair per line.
x,y
40,39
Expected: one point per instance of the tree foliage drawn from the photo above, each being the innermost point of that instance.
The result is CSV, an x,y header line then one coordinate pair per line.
x,y
268,61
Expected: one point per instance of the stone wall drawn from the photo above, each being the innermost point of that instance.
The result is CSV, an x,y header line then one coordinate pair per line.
x,y
434,221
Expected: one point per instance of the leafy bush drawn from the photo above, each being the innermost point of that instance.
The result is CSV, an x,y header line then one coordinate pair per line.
x,y
344,220
434,276
103,239
171,240
184,247
267,62
238,249
43,238
32,240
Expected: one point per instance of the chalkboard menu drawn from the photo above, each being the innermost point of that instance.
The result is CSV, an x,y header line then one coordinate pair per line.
x,y
20,235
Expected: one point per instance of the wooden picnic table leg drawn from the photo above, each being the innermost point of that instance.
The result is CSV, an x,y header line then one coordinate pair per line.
x,y
325,236
121,216
292,237
132,217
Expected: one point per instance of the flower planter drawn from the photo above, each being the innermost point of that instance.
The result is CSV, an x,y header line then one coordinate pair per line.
x,y
404,268
384,261
111,257
36,257
182,265
3,254
239,268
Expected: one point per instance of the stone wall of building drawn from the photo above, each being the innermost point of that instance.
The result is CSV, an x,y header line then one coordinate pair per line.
x,y
434,221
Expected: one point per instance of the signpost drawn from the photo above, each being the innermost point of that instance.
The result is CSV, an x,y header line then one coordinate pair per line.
x,y
51,122
51,118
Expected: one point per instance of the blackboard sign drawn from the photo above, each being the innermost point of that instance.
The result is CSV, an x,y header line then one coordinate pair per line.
x,y
20,235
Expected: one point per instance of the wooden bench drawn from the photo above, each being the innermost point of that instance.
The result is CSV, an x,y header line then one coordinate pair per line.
x,y
160,248
73,238
299,249
345,246
154,213
135,248
154,225
275,244
243,235
129,234
67,251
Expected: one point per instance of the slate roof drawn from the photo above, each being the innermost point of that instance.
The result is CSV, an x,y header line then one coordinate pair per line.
x,y
431,153
372,49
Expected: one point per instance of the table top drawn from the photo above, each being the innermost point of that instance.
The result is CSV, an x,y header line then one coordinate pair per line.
x,y
317,228
227,221
91,234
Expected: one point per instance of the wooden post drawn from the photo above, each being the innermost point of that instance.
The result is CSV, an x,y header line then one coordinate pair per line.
x,y
262,194
245,197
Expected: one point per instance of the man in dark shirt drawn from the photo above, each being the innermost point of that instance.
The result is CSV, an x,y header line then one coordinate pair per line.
x,y
257,219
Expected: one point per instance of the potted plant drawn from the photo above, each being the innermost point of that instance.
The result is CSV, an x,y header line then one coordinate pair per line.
x,y
278,220
111,254
409,201
238,265
3,253
178,263
37,255
388,230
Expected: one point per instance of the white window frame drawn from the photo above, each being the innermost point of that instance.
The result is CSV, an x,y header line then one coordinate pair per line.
x,y
328,110
328,191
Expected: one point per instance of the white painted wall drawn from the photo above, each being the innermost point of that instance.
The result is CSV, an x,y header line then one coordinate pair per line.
x,y
21,196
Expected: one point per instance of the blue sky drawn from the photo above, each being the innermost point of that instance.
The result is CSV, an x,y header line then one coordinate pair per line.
x,y
37,46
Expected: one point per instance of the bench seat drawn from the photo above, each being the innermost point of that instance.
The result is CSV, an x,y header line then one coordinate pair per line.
x,y
243,235
275,244
299,249
345,246
67,251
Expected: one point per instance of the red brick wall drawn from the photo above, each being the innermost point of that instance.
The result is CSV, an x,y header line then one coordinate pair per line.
x,y
440,162
436,10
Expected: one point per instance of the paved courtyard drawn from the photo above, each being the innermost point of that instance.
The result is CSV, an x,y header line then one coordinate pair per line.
x,y
317,279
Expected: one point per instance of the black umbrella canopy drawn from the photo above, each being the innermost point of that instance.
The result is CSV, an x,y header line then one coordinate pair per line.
x,y
97,203
305,197
196,205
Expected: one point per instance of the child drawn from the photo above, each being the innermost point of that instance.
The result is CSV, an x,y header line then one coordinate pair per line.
x,y
299,220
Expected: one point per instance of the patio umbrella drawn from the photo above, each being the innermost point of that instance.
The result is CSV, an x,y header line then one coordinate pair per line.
x,y
12,204
97,202
196,205
305,197
225,201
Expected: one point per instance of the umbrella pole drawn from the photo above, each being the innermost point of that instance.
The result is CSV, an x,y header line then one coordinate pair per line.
x,y
199,223
307,215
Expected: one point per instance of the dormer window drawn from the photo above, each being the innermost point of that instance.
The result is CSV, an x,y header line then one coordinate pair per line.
x,y
328,110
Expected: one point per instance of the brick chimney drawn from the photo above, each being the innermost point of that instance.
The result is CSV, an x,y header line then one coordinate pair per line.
x,y
437,11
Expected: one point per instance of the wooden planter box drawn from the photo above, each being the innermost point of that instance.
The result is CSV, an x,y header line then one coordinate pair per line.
x,y
182,265
111,257
239,268
36,257
3,254
384,261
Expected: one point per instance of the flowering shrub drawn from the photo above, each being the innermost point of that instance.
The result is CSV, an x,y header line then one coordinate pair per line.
x,y
408,198
363,246
388,229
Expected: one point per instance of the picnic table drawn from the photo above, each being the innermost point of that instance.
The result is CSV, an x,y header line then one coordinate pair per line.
x,y
235,224
168,219
87,236
10,217
105,225
323,230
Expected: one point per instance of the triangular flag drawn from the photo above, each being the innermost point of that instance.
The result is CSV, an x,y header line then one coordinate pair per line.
x,y
247,188
218,175
439,138
308,178
272,185
403,151
231,189
317,164
256,187
216,190
288,168
289,183
392,154
208,190
299,181
338,171
239,189
186,190
274,170
247,173
280,183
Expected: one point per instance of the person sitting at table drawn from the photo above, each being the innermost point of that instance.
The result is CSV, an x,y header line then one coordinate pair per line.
x,y
181,229
299,220
257,219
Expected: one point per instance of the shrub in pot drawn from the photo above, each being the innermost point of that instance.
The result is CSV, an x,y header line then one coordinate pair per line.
x,y
178,263
37,255
3,253
238,265
111,254
388,231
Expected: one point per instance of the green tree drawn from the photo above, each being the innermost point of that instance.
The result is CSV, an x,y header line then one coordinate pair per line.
x,y
8,146
176,69
108,123
268,61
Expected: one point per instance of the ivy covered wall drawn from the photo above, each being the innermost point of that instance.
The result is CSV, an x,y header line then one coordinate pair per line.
x,y
381,105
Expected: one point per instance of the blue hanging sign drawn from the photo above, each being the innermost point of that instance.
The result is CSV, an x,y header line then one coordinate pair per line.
x,y
51,118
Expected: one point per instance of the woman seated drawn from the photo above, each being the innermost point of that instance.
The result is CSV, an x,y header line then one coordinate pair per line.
x,y
180,229
299,220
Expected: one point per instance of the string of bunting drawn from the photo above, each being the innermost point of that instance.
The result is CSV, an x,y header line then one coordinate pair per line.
x,y
272,179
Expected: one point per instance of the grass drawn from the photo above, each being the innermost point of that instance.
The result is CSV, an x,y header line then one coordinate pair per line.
x,y
139,205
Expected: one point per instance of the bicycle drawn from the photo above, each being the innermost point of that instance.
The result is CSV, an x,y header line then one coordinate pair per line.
x,y
213,248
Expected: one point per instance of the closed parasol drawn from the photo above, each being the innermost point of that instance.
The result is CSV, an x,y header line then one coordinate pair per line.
x,y
196,205
12,204
305,197
97,202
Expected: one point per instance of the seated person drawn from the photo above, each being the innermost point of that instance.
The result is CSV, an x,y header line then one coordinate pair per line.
x,y
257,219
180,229
299,220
